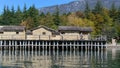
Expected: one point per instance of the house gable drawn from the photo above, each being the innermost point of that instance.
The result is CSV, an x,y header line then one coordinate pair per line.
x,y
42,30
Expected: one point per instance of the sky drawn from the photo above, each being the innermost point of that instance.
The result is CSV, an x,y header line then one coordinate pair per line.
x,y
38,3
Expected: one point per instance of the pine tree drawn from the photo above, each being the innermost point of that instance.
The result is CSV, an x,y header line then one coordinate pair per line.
x,y
12,10
25,13
18,15
87,10
34,14
12,20
42,15
56,16
6,16
98,7
113,11
24,9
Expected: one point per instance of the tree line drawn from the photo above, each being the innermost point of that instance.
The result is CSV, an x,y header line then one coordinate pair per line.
x,y
102,20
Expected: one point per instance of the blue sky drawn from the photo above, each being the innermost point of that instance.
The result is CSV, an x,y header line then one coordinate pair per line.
x,y
37,3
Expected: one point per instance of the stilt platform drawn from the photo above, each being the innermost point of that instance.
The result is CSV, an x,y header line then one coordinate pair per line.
x,y
52,44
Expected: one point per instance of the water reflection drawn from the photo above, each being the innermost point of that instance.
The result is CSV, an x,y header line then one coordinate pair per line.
x,y
53,59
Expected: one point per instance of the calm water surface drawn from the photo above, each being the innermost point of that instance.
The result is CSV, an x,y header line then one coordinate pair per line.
x,y
60,59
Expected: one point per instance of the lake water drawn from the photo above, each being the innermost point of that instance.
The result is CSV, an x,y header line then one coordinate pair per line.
x,y
60,59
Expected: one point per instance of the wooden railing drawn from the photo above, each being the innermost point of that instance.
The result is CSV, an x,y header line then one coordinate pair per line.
x,y
50,37
98,37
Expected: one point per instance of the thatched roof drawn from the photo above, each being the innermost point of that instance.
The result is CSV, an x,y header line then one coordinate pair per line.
x,y
75,28
49,29
12,28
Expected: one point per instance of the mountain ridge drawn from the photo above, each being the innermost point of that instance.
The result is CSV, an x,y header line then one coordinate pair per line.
x,y
78,5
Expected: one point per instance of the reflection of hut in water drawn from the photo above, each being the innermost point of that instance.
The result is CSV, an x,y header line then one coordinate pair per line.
x,y
114,42
113,53
21,61
72,59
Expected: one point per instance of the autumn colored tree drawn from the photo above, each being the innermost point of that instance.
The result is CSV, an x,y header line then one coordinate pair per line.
x,y
28,23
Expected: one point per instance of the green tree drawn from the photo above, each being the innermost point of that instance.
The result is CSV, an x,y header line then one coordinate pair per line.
x,y
87,10
98,7
117,23
91,16
6,16
25,13
12,10
113,11
33,13
56,18
18,15
12,17
42,15
108,30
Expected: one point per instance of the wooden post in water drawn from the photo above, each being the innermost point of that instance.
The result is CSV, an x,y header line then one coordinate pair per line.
x,y
35,45
78,45
1,45
9,46
66,45
53,45
16,45
70,45
88,45
57,46
62,45
4,44
49,45
46,45
102,46
23,46
74,45
85,46
28,46
20,45
81,46
43,45
98,46
91,44
13,45
32,45
95,45
39,45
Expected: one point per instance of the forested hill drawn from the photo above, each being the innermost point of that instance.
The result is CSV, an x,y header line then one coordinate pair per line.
x,y
78,5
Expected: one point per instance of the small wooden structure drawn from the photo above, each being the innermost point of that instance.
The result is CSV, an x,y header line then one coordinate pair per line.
x,y
75,33
12,32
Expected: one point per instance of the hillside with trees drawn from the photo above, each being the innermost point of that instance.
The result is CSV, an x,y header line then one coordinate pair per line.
x,y
103,21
